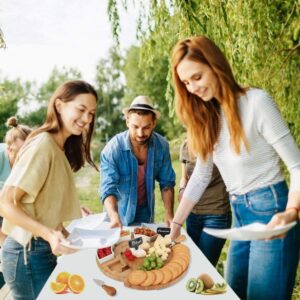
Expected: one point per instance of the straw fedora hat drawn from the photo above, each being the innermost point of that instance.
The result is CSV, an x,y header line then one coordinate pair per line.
x,y
141,103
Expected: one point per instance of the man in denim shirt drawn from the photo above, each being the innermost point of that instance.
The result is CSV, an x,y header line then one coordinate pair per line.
x,y
131,162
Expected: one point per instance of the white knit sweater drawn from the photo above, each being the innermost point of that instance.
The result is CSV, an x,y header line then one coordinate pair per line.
x,y
269,139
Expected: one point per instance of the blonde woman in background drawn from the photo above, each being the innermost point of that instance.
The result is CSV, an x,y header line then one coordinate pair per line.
x,y
13,141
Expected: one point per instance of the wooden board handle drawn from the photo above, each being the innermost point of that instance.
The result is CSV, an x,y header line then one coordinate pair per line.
x,y
180,238
110,290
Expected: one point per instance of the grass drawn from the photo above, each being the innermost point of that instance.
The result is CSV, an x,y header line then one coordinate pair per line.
x,y
87,183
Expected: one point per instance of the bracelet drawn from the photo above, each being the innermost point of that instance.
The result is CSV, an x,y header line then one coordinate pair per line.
x,y
177,223
293,207
181,188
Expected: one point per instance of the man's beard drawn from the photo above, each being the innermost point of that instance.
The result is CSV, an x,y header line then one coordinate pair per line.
x,y
142,142
138,142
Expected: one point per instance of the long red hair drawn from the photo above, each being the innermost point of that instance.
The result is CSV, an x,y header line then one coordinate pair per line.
x,y
202,118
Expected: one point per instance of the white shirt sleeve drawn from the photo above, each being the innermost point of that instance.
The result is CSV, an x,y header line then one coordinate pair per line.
x,y
272,126
289,152
199,180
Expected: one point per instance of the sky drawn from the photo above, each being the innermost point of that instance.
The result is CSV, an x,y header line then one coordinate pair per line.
x,y
42,34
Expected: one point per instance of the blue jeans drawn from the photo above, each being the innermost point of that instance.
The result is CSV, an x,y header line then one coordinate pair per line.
x,y
26,281
208,244
264,269
142,215
2,282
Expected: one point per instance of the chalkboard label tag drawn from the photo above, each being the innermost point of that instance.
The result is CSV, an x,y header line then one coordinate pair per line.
x,y
163,231
135,243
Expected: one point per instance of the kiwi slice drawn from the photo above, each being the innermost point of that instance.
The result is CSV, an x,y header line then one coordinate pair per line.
x,y
199,286
191,284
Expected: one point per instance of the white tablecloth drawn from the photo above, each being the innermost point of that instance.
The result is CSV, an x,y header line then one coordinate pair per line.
x,y
84,264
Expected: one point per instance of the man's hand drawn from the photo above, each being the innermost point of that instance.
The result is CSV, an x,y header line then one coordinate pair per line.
x,y
180,193
111,206
115,221
168,198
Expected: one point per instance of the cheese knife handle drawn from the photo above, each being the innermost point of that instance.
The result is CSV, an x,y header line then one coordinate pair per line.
x,y
111,291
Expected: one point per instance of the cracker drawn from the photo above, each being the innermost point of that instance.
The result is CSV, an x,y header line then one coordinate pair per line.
x,y
150,279
180,268
167,275
182,262
174,270
136,277
159,276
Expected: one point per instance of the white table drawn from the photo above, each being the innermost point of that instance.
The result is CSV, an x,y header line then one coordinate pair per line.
x,y
84,264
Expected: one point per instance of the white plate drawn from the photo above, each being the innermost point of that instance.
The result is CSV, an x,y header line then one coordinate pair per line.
x,y
254,231
94,221
92,239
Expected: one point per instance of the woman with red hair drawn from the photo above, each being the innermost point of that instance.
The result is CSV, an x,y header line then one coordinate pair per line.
x,y
241,131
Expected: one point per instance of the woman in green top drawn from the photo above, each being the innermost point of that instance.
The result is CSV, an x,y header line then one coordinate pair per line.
x,y
39,195
212,210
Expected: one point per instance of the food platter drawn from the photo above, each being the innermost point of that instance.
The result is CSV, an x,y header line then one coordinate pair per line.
x,y
170,273
117,266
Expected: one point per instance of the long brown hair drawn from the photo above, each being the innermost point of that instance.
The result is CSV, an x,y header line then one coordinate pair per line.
x,y
76,147
202,118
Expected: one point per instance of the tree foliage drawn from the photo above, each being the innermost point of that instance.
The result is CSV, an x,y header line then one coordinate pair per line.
x,y
149,80
261,40
57,77
11,92
110,89
2,41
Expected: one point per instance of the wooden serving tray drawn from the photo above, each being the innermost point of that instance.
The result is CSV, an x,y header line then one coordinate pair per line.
x,y
120,268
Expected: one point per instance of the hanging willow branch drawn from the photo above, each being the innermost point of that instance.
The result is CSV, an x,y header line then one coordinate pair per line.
x,y
2,42
251,33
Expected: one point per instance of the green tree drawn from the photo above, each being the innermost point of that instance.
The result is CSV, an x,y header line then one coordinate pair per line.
x,y
2,42
149,80
36,117
11,92
110,88
261,39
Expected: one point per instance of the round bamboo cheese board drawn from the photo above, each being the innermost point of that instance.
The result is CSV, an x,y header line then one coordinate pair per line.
x,y
120,268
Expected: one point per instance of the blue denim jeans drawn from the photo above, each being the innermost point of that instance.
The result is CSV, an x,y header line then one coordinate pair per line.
x,y
142,215
264,269
208,244
27,280
2,282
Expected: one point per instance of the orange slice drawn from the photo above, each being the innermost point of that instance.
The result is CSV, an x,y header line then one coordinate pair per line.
x,y
63,277
58,288
76,283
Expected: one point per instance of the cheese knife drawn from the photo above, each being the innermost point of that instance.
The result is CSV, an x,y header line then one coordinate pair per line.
x,y
110,290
